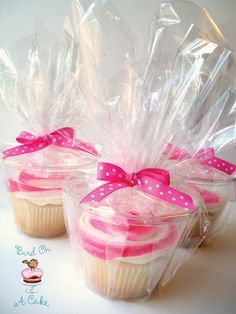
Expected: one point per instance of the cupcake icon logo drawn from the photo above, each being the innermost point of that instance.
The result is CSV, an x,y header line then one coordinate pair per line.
x,y
31,276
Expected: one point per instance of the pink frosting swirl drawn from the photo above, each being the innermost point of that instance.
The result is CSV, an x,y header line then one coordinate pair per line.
x,y
109,237
210,198
32,183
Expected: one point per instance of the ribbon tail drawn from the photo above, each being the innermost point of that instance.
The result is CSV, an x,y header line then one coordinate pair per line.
x,y
23,149
180,198
103,191
86,148
78,145
220,164
169,194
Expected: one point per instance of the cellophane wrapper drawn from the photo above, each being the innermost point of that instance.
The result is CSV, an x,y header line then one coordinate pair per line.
x,y
39,86
201,112
209,123
174,90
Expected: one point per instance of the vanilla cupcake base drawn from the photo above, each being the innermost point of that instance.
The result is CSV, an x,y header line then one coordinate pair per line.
x,y
118,279
39,221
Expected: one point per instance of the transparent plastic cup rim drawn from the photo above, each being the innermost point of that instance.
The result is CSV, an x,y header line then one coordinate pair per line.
x,y
83,162
225,181
160,219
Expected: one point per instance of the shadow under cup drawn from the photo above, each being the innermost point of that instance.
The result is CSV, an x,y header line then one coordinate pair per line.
x,y
125,242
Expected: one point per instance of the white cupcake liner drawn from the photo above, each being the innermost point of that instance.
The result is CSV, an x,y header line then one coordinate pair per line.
x,y
118,279
39,221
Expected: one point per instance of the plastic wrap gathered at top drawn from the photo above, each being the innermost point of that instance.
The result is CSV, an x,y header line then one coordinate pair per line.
x,y
179,90
39,86
177,93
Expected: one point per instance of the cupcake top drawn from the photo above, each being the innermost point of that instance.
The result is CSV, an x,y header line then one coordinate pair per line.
x,y
128,224
106,234
38,176
38,190
210,198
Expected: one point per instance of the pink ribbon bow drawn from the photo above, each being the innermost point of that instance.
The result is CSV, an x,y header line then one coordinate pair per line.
x,y
63,137
153,181
205,156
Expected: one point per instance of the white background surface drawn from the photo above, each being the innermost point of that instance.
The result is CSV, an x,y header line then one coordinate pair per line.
x,y
207,284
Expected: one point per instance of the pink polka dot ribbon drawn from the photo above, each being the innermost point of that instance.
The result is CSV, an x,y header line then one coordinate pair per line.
x,y
153,181
63,137
205,156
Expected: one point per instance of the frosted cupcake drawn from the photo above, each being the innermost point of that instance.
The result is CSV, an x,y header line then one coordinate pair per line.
x,y
215,195
216,190
34,185
122,259
37,203
125,242
214,204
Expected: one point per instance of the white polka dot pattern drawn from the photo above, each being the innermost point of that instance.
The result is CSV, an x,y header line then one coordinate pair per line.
x,y
152,181
205,156
220,164
63,137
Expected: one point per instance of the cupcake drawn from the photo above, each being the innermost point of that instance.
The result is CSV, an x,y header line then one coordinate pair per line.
x,y
215,189
37,207
122,259
125,242
215,204
34,187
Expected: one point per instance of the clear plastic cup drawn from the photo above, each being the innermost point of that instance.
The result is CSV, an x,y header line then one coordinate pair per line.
x,y
216,190
34,182
215,195
124,243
